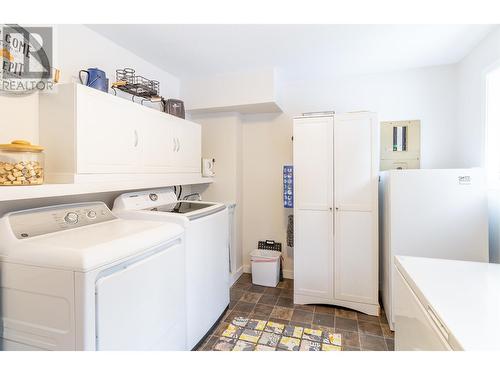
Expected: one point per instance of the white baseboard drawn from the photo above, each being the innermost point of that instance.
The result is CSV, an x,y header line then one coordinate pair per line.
x,y
235,276
287,274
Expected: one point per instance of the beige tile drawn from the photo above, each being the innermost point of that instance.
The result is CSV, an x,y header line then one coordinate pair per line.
x,y
368,318
302,316
344,313
349,338
250,297
324,309
370,328
244,307
257,289
324,320
285,302
281,313
346,324
268,299
273,291
369,342
304,307
262,309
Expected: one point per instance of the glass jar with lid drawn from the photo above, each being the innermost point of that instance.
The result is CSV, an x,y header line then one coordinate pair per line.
x,y
21,163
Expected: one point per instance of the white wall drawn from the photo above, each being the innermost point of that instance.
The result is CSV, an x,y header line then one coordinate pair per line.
x,y
19,118
471,127
427,94
229,90
267,146
222,140
471,74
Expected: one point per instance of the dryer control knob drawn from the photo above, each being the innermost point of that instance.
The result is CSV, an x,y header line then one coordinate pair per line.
x,y
71,218
91,214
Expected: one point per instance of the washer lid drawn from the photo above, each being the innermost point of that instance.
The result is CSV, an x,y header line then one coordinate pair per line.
x,y
191,209
165,201
143,200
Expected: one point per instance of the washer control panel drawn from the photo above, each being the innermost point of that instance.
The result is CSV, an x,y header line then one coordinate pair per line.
x,y
38,221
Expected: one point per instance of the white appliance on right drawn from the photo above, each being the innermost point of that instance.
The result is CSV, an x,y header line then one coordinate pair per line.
x,y
433,213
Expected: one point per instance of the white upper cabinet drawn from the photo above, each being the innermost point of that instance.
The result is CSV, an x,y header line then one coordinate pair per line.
x,y
92,136
107,140
187,152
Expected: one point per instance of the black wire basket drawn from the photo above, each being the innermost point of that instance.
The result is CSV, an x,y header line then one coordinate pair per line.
x,y
129,82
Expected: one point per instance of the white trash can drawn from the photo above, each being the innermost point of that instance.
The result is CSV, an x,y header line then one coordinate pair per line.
x,y
265,267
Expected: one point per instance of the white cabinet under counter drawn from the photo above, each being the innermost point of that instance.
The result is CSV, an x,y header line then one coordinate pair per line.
x,y
91,136
443,304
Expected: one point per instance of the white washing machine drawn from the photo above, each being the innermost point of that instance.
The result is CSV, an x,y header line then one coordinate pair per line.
x,y
207,244
76,277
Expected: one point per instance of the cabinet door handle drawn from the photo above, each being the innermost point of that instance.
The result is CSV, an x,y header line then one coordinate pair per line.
x,y
179,144
175,145
136,138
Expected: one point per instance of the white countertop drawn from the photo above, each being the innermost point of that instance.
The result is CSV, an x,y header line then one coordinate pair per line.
x,y
465,295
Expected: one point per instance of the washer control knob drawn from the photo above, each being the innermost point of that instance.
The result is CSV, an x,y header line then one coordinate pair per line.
x,y
71,218
153,197
91,214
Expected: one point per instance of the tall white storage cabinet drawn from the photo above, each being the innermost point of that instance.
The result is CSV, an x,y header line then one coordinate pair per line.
x,y
336,210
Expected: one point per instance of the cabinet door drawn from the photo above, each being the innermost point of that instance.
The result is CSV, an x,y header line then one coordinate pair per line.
x,y
313,217
356,261
355,161
355,190
156,137
106,134
313,163
313,254
188,137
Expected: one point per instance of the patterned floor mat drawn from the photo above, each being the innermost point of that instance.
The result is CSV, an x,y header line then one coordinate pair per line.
x,y
261,335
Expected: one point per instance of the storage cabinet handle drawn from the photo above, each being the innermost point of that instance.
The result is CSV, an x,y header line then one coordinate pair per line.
x,y
175,144
136,138
178,144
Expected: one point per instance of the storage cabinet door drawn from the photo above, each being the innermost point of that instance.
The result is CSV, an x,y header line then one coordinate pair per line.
x,y
313,217
188,154
313,254
106,135
313,163
156,137
355,161
356,195
356,262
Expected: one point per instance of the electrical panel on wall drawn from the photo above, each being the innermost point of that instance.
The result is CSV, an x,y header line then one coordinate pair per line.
x,y
288,186
400,145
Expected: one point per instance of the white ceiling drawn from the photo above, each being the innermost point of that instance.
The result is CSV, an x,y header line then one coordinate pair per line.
x,y
299,50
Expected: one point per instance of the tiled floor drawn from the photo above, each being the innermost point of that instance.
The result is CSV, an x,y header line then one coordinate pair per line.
x,y
359,331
